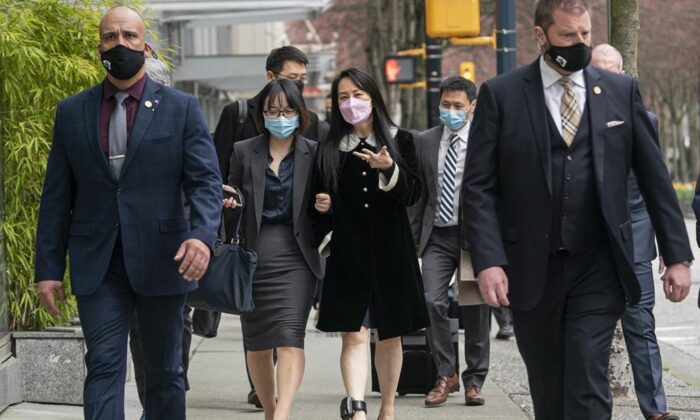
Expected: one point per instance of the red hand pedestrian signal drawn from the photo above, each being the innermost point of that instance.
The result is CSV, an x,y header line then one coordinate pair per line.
x,y
399,69
392,68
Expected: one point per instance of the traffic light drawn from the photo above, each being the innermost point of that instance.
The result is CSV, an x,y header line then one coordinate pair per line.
x,y
399,69
452,18
467,70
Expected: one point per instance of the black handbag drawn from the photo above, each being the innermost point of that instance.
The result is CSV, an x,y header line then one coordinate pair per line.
x,y
227,285
205,323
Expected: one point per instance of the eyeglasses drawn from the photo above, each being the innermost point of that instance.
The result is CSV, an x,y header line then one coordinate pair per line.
x,y
276,113
294,77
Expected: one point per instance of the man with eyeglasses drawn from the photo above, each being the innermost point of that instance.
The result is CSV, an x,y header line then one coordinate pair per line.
x,y
286,62
238,124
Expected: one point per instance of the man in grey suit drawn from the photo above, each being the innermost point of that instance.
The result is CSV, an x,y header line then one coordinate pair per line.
x,y
638,322
436,225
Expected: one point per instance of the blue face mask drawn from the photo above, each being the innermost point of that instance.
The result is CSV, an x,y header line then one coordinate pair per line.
x,y
282,127
454,120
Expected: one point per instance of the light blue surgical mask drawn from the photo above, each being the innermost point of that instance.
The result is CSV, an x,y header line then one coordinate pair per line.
x,y
282,127
453,119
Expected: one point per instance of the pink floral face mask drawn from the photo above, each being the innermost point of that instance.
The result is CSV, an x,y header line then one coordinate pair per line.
x,y
355,110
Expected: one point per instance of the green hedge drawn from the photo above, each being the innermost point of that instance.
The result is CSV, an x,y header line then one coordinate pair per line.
x,y
685,193
48,51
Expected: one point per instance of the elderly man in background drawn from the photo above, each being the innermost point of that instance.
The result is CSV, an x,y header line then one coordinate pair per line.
x,y
158,72
638,323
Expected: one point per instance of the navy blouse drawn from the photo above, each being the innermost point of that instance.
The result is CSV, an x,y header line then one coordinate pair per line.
x,y
277,203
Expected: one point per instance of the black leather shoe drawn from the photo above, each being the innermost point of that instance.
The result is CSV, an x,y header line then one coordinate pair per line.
x,y
504,317
505,332
254,400
663,416
349,406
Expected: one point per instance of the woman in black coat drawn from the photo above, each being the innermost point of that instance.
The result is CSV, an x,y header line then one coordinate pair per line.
x,y
365,176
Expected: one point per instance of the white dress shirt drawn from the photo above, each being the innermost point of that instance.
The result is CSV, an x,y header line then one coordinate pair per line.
x,y
463,134
553,91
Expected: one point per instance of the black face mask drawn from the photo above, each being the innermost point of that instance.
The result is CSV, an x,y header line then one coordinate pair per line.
x,y
122,62
571,59
300,85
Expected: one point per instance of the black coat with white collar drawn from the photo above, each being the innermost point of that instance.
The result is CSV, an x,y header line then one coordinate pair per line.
x,y
372,259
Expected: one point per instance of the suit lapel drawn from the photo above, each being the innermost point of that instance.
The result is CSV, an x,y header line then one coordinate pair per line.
x,y
144,116
302,163
534,97
92,109
595,101
433,147
258,167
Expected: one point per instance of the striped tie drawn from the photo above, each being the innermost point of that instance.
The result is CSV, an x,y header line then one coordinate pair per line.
x,y
447,195
570,113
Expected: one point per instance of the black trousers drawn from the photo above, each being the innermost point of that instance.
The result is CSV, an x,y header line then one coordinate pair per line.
x,y
137,353
565,340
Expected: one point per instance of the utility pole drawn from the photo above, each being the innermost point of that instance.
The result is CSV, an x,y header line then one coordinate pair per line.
x,y
506,58
433,76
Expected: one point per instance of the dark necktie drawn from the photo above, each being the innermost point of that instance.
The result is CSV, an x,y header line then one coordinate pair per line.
x,y
118,134
447,195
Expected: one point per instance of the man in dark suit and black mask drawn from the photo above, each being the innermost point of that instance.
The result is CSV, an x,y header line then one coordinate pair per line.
x,y
126,156
548,223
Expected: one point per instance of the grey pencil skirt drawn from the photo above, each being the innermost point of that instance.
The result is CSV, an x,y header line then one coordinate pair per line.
x,y
283,291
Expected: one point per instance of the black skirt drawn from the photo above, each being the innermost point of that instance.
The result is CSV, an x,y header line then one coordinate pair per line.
x,y
283,291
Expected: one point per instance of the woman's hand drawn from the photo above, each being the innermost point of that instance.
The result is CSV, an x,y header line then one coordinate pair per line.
x,y
381,160
230,202
323,203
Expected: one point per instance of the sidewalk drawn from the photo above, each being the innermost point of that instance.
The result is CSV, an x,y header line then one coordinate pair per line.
x,y
219,387
683,395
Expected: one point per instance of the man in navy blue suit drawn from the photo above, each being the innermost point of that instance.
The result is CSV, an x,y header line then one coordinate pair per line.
x,y
123,153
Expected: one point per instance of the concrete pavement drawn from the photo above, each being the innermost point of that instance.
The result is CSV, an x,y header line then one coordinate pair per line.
x,y
219,384
678,334
219,387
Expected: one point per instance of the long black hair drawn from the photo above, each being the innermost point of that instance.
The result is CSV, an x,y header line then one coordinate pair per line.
x,y
329,163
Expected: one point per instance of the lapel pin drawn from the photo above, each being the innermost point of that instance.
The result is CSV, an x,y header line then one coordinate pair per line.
x,y
597,90
148,104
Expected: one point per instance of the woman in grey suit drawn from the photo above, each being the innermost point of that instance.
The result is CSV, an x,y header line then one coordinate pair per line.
x,y
272,172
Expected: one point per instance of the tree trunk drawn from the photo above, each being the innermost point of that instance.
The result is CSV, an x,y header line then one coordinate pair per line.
x,y
624,35
403,29
620,372
624,32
